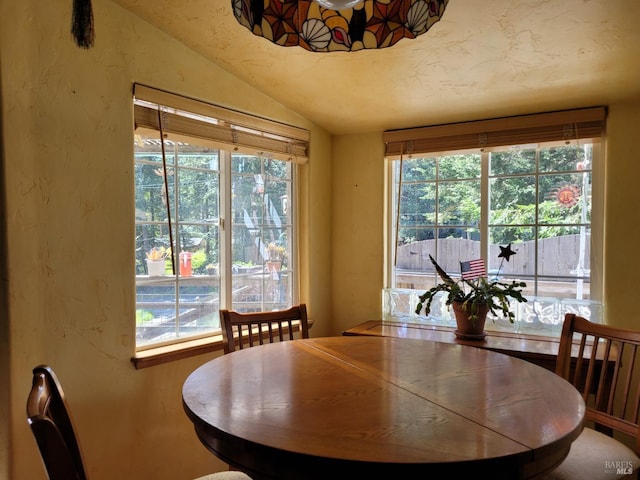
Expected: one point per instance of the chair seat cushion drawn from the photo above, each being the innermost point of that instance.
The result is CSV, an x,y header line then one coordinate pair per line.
x,y
596,456
230,475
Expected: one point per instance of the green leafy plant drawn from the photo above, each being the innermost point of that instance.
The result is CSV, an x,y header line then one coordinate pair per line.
x,y
472,293
143,316
199,261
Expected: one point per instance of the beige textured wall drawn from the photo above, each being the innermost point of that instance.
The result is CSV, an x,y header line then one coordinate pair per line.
x,y
622,226
357,235
67,140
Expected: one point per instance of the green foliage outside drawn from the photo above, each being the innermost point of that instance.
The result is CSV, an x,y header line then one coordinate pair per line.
x,y
199,261
143,316
440,196
259,186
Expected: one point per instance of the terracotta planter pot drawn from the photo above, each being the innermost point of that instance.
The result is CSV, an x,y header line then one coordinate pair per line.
x,y
467,329
273,266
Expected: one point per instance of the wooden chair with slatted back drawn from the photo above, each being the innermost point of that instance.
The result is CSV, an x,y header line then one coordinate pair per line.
x,y
605,371
240,330
50,422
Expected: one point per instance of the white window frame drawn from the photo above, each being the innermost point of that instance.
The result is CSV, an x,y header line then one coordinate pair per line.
x,y
231,132
481,137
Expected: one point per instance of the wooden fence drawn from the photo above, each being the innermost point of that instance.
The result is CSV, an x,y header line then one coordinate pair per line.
x,y
557,256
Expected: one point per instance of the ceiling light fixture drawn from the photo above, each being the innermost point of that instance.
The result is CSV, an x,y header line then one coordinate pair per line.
x,y
340,4
338,25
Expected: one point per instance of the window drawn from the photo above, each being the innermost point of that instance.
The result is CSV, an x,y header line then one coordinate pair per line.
x,y
541,197
215,215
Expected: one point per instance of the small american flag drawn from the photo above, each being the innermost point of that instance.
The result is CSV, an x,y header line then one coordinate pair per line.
x,y
473,269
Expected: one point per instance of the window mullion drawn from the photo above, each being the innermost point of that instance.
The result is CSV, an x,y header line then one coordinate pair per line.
x,y
176,236
536,228
293,221
484,205
226,229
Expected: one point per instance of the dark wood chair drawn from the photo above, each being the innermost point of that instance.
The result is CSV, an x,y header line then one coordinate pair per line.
x,y
605,371
50,422
248,329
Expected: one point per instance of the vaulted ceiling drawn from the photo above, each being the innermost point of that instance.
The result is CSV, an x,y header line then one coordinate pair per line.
x,y
484,59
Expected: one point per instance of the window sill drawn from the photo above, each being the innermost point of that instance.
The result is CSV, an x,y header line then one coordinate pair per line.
x,y
189,348
176,351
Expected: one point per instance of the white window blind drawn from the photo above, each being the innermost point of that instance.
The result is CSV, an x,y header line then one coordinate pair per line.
x,y
221,127
536,128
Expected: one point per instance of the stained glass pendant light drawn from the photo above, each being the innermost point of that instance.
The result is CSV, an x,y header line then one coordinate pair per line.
x,y
338,25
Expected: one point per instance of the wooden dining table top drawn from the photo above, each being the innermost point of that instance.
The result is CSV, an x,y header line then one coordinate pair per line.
x,y
352,405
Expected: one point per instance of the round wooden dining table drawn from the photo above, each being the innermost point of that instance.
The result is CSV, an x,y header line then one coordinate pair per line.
x,y
359,407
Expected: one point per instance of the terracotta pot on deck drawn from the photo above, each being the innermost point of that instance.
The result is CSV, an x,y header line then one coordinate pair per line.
x,y
467,329
273,266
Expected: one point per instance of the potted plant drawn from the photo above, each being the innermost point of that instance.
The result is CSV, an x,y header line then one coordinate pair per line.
x,y
156,261
212,269
472,300
276,254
